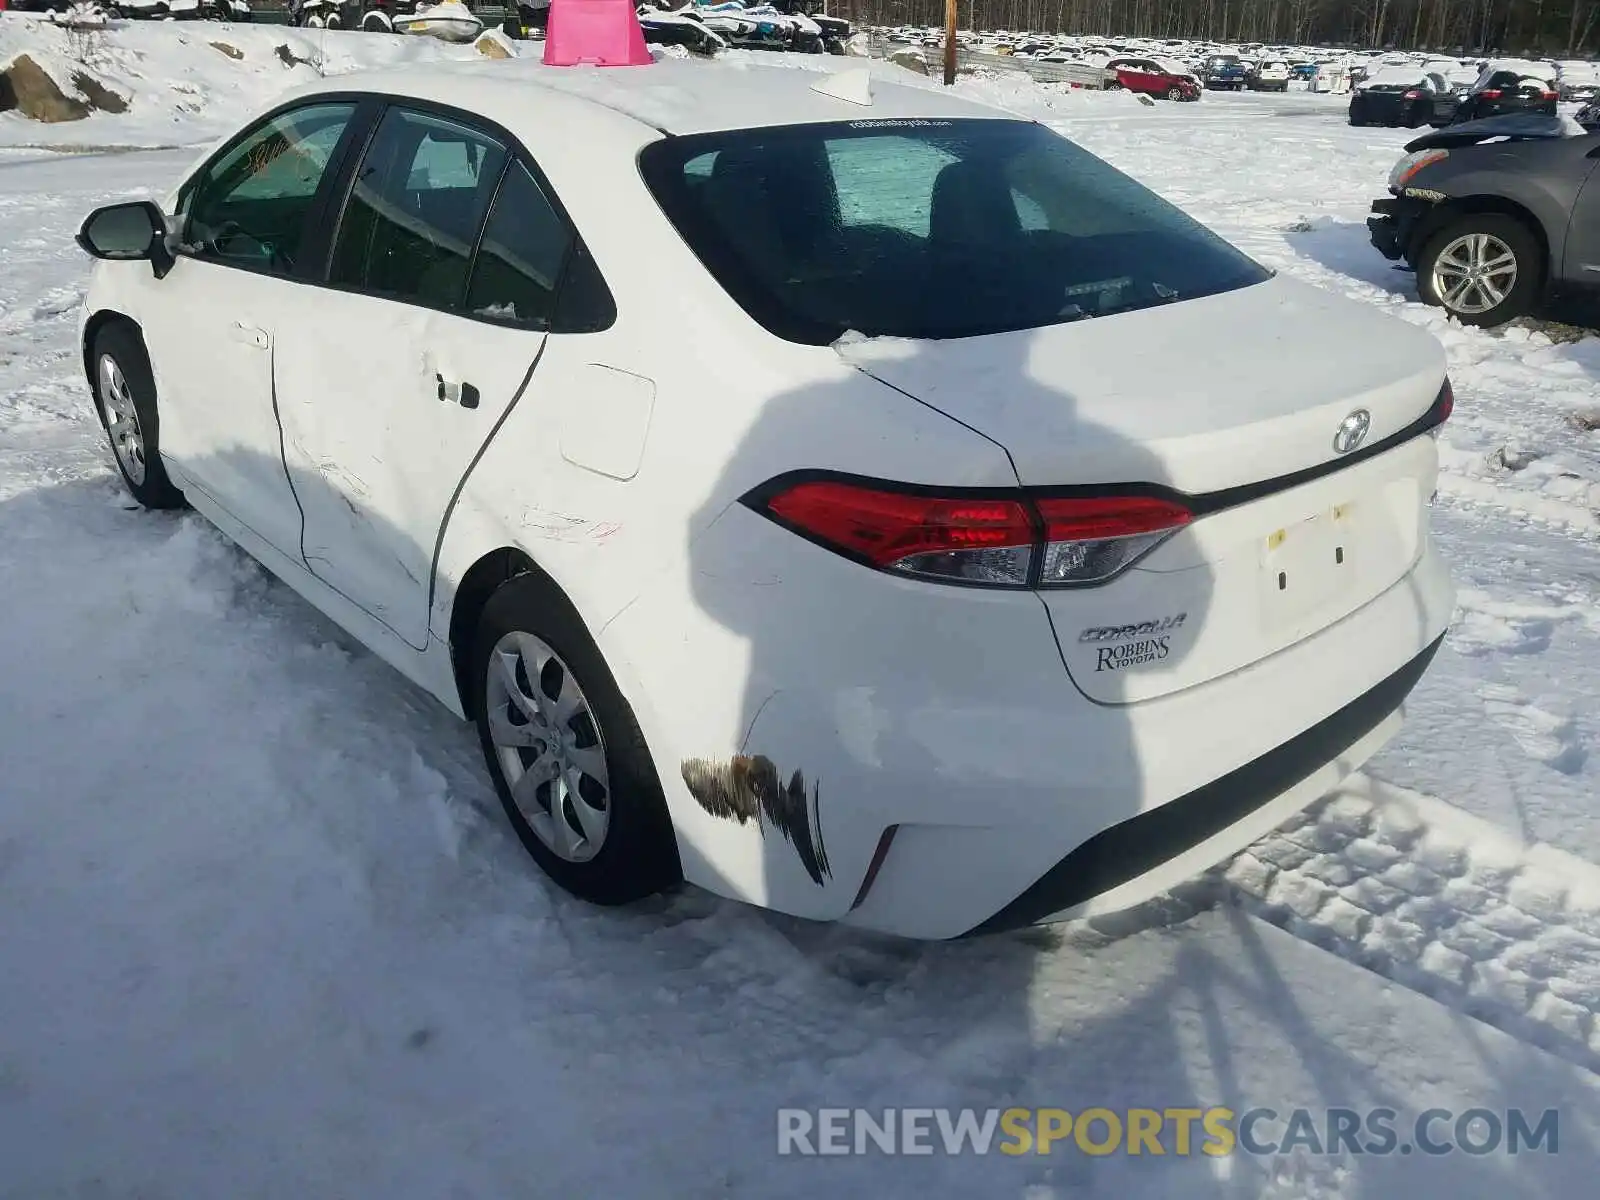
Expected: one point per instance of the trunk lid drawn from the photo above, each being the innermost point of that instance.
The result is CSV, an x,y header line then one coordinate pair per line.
x,y
1231,400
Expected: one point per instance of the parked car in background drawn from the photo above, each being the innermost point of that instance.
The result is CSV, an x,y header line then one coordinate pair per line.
x,y
1491,227
1509,86
1402,97
1269,75
1153,77
1223,73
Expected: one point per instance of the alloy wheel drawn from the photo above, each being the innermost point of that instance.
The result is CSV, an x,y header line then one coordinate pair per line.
x,y
547,742
1474,273
122,419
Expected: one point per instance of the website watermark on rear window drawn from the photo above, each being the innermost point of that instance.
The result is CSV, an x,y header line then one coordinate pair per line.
x,y
1170,1132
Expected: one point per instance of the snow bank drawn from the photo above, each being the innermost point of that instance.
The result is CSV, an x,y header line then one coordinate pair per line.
x,y
185,84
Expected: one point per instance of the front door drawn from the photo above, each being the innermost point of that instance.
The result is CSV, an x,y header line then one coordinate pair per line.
x,y
1581,263
419,347
214,323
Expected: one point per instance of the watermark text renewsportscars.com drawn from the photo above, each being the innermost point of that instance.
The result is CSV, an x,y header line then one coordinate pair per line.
x,y
1181,1132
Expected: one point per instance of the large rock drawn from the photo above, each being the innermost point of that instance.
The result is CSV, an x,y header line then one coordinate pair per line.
x,y
25,87
911,60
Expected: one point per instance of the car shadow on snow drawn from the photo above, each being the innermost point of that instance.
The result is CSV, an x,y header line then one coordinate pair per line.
x,y
1343,248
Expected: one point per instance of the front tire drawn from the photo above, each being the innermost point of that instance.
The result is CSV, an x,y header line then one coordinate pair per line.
x,y
1483,269
125,398
1175,94
566,755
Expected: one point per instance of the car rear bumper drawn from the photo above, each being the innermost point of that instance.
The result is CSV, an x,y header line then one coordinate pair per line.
x,y
1393,224
1207,772
1221,817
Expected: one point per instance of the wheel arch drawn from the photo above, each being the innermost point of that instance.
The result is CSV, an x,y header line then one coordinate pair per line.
x,y
1465,206
99,320
478,583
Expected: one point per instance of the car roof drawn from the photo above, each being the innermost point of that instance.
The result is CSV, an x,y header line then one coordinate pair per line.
x,y
672,96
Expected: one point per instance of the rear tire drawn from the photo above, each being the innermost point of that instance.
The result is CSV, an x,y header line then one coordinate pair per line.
x,y
1482,268
125,399
536,671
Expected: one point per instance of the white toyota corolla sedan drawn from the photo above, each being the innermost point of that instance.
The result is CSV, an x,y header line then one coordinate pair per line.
x,y
853,499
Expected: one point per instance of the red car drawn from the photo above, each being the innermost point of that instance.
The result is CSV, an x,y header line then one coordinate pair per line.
x,y
1153,78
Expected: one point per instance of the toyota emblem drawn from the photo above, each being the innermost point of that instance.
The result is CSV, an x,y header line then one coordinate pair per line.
x,y
1352,431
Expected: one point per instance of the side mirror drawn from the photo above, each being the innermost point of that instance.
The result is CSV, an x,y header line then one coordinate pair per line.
x,y
128,232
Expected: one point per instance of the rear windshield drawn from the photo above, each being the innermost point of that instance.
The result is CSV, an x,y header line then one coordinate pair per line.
x,y
928,228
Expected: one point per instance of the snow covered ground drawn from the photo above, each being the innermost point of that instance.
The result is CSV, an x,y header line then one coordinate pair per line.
x,y
263,933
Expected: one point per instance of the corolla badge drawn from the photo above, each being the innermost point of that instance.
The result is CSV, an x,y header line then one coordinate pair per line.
x,y
1352,431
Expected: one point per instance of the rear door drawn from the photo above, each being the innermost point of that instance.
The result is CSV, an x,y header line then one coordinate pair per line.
x,y
393,382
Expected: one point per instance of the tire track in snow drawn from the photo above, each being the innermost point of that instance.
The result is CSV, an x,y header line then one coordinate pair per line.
x,y
1442,903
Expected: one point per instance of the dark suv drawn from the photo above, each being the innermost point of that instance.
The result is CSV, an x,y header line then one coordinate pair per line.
x,y
1504,89
1491,227
1404,97
1223,72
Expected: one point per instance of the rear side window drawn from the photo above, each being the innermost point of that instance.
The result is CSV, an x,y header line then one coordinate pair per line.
x,y
521,258
414,209
928,229
249,207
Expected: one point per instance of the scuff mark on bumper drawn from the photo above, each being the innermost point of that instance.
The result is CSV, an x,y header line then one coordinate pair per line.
x,y
747,788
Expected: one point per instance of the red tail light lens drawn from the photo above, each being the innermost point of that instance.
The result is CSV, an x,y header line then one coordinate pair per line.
x,y
982,540
1547,95
1413,95
1490,94
1446,403
1004,540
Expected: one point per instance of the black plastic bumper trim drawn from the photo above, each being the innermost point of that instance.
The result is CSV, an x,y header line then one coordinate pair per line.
x,y
1130,848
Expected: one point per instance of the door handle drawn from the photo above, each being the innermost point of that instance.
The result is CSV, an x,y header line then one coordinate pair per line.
x,y
249,335
462,393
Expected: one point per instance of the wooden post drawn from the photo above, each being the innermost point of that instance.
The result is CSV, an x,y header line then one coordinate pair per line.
x,y
950,8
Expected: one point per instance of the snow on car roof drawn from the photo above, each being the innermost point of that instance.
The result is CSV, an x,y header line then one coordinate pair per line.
x,y
1394,74
1521,66
673,95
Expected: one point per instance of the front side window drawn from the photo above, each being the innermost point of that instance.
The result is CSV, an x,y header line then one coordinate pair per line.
x,y
928,229
249,207
414,210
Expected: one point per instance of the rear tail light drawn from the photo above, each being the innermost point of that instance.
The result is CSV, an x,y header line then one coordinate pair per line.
x,y
1547,95
1091,540
979,540
1443,405
1490,94
1413,95
1003,539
